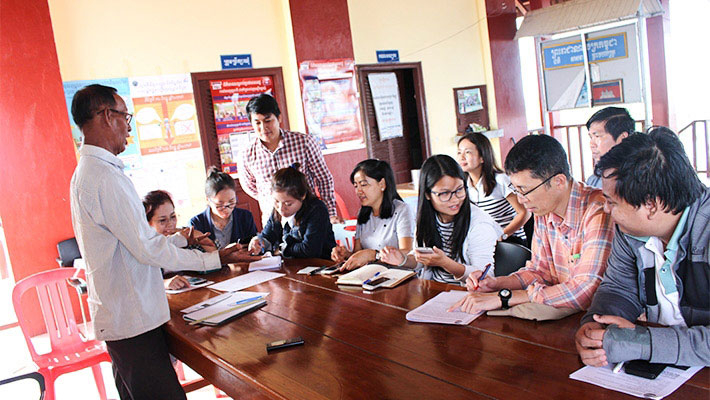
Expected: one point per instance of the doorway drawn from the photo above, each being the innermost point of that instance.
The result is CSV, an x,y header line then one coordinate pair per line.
x,y
409,151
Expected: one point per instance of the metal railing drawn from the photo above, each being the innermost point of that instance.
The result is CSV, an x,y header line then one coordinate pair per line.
x,y
698,130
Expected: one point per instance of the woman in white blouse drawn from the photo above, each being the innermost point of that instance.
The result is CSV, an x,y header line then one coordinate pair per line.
x,y
384,219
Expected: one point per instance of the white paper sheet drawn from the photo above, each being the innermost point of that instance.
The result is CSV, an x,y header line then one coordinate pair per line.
x,y
434,310
244,281
307,270
225,297
266,263
666,383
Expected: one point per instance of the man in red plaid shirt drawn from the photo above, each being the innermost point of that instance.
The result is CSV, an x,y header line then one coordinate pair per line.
x,y
274,149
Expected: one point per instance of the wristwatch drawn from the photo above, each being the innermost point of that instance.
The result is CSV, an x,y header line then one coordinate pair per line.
x,y
503,236
377,255
505,295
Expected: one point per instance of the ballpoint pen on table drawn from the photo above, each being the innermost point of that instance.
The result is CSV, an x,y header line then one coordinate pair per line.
x,y
370,280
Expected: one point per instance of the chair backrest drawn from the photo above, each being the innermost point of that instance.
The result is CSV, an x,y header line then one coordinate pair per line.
x,y
510,257
342,208
68,252
57,311
13,390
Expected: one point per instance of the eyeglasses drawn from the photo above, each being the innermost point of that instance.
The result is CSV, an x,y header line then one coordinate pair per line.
x,y
227,206
128,116
460,193
521,194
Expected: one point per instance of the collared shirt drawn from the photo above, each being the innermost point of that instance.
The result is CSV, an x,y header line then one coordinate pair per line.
x,y
123,254
594,181
257,165
666,286
569,254
378,233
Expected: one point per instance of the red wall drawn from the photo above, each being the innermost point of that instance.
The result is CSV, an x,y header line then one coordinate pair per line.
x,y
37,154
505,60
321,30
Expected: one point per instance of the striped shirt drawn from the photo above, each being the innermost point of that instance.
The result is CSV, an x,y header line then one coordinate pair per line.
x,y
569,254
257,165
446,231
496,204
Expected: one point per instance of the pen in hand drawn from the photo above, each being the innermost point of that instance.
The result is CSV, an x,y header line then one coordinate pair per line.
x,y
485,272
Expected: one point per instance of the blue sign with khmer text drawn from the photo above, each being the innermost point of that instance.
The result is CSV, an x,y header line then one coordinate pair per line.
x,y
236,61
384,56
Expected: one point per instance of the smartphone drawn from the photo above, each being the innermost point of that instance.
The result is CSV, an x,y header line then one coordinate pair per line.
x,y
374,284
280,344
196,281
425,250
644,369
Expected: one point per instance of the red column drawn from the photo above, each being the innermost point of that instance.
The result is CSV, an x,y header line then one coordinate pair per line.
x,y
321,30
656,29
37,153
505,60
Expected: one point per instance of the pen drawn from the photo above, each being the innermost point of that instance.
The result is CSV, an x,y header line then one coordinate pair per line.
x,y
617,367
370,280
246,300
485,271
317,270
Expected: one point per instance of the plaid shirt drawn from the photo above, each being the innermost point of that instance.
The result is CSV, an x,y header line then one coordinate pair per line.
x,y
258,164
569,255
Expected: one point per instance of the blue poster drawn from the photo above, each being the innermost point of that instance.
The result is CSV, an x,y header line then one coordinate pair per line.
x,y
130,155
604,48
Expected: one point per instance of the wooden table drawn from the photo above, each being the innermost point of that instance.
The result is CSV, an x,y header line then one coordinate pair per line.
x,y
359,345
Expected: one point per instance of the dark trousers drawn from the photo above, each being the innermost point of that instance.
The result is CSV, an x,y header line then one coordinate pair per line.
x,y
142,368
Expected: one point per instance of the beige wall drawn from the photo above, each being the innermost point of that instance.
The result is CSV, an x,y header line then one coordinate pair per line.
x,y
447,37
107,39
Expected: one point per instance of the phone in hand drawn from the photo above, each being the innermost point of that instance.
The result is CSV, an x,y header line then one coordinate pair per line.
x,y
644,369
424,250
193,280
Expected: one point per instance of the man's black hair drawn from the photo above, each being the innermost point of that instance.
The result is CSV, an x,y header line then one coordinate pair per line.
x,y
616,120
263,104
542,155
89,100
649,167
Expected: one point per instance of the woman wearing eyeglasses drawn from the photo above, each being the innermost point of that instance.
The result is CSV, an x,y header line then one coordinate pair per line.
x,y
489,187
222,219
462,238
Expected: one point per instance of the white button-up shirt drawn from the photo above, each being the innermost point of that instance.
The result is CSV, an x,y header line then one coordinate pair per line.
x,y
123,254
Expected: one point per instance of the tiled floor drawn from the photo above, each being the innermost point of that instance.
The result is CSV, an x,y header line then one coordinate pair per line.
x,y
15,360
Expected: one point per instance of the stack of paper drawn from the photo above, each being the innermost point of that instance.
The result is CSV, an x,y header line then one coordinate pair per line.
x,y
266,263
224,307
244,281
434,310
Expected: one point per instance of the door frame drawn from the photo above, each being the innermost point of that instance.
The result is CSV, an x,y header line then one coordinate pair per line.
x,y
419,98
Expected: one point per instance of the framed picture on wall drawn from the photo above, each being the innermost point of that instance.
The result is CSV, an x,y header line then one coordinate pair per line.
x,y
607,92
471,106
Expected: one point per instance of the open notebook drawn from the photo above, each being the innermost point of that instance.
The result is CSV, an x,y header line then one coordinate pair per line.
x,y
373,271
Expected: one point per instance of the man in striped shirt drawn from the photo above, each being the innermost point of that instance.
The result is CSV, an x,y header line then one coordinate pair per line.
x,y
572,238
273,149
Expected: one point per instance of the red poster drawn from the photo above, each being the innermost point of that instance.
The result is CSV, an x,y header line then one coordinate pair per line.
x,y
330,103
229,99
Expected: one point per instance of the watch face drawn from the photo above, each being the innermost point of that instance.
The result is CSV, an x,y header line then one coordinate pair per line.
x,y
505,292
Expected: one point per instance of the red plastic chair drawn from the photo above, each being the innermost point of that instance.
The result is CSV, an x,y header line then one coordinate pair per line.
x,y
69,351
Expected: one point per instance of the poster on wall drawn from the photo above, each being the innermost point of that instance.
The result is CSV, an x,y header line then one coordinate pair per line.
x,y
469,100
229,100
163,151
165,113
330,104
388,109
130,156
612,56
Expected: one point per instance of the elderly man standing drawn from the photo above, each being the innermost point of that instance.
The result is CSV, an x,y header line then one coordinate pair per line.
x,y
275,148
124,254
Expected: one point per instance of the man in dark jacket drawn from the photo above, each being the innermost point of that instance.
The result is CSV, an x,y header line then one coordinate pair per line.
x,y
658,265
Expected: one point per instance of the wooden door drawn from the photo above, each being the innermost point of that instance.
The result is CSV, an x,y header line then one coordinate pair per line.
x,y
409,151
208,132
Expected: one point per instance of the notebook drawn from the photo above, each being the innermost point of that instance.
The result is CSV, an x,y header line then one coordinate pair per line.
x,y
231,306
368,272
434,310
